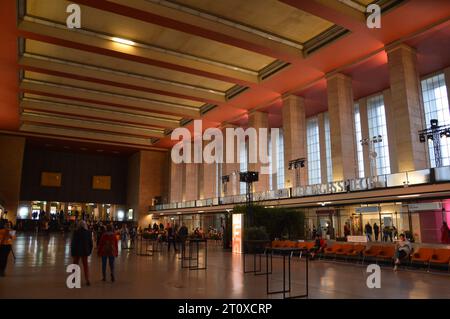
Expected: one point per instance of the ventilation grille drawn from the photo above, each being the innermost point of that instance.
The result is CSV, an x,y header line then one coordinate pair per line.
x,y
206,108
271,69
154,140
185,122
235,91
323,39
387,5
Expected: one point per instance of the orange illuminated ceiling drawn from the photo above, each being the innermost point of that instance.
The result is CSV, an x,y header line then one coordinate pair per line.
x,y
191,59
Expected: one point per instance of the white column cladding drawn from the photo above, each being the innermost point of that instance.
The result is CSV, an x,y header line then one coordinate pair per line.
x,y
294,133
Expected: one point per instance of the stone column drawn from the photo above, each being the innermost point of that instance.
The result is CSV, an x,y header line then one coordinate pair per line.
x,y
191,179
148,177
230,169
294,130
11,173
209,184
176,182
406,108
259,120
340,109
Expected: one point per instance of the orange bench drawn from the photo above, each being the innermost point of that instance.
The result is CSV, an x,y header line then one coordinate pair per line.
x,y
356,252
386,253
332,250
422,256
345,249
440,257
372,252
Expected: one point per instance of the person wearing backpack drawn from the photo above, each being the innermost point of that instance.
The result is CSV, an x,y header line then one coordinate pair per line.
x,y
108,250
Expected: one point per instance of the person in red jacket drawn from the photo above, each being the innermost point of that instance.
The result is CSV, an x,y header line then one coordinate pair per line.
x,y
108,250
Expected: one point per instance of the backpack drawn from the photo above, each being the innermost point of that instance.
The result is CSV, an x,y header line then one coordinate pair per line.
x,y
108,247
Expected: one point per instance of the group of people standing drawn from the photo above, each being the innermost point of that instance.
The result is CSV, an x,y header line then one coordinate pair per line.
x,y
107,242
388,232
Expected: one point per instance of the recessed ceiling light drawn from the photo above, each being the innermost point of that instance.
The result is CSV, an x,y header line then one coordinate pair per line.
x,y
123,41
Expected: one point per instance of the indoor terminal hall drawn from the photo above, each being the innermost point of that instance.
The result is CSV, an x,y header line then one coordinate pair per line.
x,y
225,149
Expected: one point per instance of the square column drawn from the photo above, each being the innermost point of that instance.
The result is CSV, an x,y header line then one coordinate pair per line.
x,y
208,185
191,182
340,109
406,108
230,169
259,120
294,130
176,182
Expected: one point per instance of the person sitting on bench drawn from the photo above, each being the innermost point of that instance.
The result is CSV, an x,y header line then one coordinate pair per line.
x,y
403,249
319,246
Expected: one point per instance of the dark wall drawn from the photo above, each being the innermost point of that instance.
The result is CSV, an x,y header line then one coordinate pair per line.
x,y
77,170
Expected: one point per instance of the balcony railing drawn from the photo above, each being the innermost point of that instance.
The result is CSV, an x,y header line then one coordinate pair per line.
x,y
405,179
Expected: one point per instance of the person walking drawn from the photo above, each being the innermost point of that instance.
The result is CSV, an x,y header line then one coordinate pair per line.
x,y
81,247
171,235
133,235
108,250
183,234
124,236
6,238
346,230
376,231
368,230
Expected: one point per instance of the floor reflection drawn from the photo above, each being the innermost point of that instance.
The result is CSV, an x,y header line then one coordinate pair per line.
x,y
40,271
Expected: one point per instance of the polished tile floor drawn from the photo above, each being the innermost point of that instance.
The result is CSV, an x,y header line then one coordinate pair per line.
x,y
39,272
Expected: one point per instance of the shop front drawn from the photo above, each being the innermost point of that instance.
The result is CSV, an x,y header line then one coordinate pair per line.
x,y
421,222
72,211
210,224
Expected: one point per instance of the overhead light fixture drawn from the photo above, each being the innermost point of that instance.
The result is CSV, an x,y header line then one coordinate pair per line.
x,y
201,211
123,41
408,196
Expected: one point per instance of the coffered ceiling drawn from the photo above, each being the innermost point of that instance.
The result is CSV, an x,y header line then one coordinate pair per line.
x,y
137,69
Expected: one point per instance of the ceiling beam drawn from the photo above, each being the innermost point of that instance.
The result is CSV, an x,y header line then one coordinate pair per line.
x,y
119,78
98,43
84,135
113,99
90,125
250,39
333,11
96,113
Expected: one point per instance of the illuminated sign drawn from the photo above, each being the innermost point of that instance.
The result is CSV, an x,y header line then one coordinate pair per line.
x,y
237,233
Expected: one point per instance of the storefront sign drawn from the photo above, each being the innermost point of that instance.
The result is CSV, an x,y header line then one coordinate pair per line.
x,y
357,239
341,186
237,231
424,206
367,209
